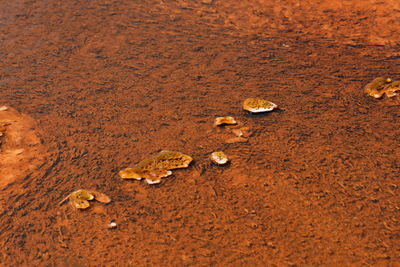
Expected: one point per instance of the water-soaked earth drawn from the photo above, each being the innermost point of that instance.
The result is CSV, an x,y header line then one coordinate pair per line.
x,y
97,86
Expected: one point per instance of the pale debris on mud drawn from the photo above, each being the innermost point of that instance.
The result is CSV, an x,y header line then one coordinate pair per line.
x,y
219,158
157,167
256,105
382,86
81,197
228,120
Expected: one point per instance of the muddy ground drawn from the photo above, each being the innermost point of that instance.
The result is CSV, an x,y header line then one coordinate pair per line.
x,y
105,84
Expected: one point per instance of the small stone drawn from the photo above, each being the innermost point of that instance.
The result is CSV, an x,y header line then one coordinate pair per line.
x,y
112,225
219,158
3,108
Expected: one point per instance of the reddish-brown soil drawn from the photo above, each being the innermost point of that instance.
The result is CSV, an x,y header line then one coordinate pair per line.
x,y
110,83
21,150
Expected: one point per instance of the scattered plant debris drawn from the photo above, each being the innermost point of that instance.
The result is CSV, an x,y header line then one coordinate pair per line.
x,y
225,121
80,198
157,167
219,158
101,197
256,105
382,86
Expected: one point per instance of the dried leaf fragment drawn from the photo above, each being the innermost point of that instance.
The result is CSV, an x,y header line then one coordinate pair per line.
x,y
82,194
80,198
382,86
130,173
228,120
157,167
256,105
101,197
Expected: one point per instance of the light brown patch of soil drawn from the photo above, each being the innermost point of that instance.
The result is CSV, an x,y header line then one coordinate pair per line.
x,y
21,149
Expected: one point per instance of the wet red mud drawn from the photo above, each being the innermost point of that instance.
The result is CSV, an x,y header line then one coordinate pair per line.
x,y
109,83
21,147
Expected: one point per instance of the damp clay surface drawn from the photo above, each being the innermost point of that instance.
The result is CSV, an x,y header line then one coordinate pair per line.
x,y
110,83
21,151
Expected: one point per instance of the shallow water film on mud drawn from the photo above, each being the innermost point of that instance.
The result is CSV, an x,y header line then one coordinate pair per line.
x,y
91,88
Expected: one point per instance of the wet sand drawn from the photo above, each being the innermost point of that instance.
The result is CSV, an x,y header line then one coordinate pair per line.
x,y
108,83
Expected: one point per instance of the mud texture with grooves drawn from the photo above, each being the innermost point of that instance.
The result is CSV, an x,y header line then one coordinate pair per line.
x,y
111,82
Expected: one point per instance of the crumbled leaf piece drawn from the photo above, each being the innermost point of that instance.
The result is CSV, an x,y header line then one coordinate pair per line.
x,y
170,160
157,167
225,121
130,173
80,203
382,86
154,177
80,198
256,105
393,89
375,88
82,194
219,158
101,197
